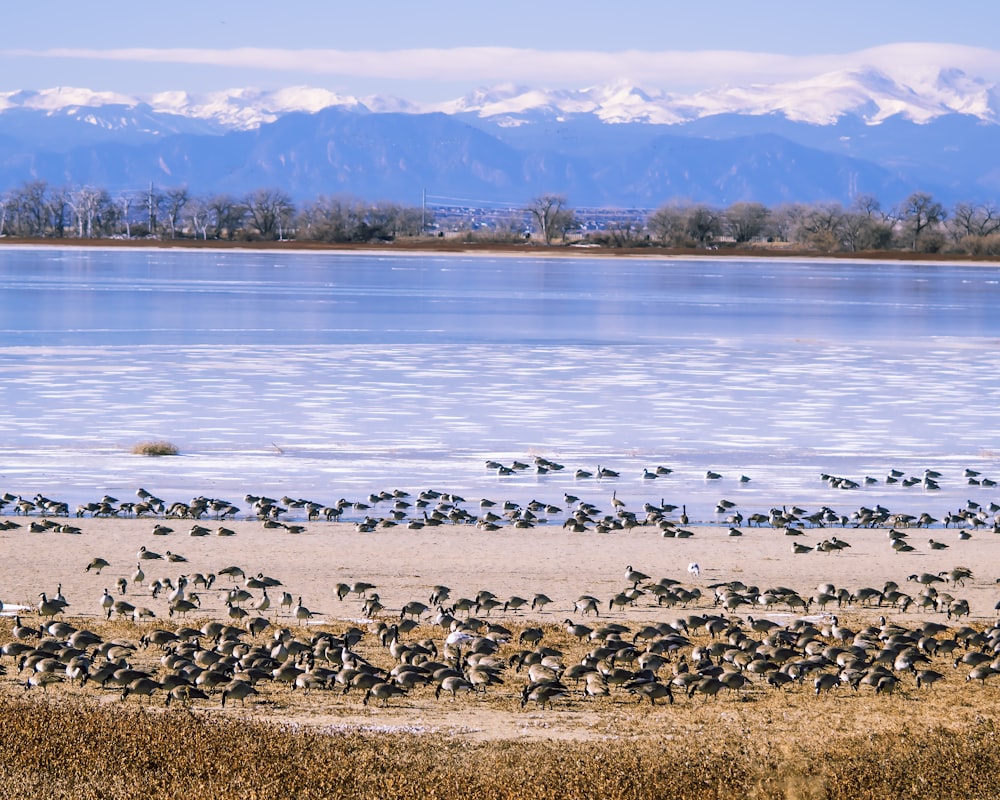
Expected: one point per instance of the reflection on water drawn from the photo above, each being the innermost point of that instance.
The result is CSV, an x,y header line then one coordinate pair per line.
x,y
336,375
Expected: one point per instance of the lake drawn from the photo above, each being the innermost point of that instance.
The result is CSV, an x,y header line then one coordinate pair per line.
x,y
329,375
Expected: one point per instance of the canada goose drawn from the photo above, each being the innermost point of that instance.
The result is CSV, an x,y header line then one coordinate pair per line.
x,y
175,558
543,693
604,472
539,601
264,603
184,693
928,677
578,630
383,691
147,555
238,690
138,576
634,576
97,564
654,690
937,545
144,687
301,613
48,608
107,601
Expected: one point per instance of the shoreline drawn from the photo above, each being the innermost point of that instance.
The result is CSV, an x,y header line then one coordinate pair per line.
x,y
436,247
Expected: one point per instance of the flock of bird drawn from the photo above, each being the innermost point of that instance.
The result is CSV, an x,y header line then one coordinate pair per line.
x,y
266,636
429,508
446,646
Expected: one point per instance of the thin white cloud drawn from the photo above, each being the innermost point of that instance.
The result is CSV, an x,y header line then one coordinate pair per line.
x,y
491,65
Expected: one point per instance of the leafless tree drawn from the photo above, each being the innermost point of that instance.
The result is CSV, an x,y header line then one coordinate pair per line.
x,y
920,214
551,215
746,221
969,219
227,216
174,201
269,212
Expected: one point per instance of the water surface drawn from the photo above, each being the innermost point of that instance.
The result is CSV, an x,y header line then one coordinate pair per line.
x,y
328,375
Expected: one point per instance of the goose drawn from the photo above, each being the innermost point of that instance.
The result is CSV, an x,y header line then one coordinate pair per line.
x,y
300,612
97,564
147,555
539,601
107,601
654,690
543,693
634,576
264,603
238,690
383,691
138,576
144,687
48,608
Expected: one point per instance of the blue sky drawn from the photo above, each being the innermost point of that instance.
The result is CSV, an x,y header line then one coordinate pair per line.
x,y
439,49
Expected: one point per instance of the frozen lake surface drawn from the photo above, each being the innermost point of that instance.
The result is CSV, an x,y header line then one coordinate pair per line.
x,y
329,375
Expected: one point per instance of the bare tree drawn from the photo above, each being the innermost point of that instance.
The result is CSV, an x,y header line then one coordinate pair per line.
x,y
124,204
551,215
668,226
174,201
85,203
746,221
200,214
228,216
625,229
968,219
821,226
269,212
920,214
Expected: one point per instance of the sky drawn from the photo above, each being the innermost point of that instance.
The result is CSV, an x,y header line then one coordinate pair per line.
x,y
430,51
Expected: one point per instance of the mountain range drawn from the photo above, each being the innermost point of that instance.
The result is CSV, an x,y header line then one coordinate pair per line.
x,y
826,139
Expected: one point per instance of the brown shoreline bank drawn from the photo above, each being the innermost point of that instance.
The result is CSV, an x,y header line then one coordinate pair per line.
x,y
526,250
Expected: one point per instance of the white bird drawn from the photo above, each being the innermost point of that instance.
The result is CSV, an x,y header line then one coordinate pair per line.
x,y
458,637
694,569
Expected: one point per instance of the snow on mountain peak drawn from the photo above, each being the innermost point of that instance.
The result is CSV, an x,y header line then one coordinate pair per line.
x,y
867,92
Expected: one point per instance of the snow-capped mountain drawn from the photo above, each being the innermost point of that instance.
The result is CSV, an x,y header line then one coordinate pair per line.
x,y
869,94
826,138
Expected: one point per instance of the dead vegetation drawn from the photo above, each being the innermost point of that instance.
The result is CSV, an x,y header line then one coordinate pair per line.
x,y
761,741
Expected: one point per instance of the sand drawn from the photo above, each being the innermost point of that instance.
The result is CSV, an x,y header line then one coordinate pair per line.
x,y
404,565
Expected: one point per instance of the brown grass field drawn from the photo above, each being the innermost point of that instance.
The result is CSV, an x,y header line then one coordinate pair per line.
x,y
761,740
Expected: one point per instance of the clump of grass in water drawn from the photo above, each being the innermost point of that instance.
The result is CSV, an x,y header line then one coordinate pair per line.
x,y
160,448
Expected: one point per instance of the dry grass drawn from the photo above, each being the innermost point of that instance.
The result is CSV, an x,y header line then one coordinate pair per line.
x,y
83,742
155,448
72,749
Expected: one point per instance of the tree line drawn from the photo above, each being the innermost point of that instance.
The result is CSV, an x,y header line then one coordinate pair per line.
x,y
37,210
919,224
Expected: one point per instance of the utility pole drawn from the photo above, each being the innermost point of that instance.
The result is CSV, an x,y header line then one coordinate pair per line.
x,y
423,212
